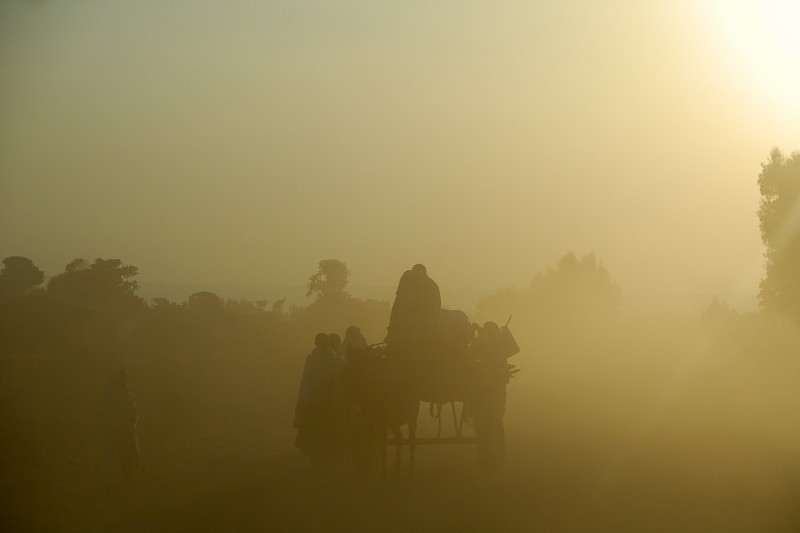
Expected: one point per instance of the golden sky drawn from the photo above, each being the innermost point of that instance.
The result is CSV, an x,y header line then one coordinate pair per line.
x,y
242,141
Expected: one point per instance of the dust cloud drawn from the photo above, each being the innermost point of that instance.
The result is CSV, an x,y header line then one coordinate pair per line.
x,y
191,192
616,421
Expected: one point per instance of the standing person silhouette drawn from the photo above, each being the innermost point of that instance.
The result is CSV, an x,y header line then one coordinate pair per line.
x,y
319,411
335,344
353,340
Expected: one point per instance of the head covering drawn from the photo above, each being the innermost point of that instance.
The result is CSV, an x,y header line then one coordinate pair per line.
x,y
321,341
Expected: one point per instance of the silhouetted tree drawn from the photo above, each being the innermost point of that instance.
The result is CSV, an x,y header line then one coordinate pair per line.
x,y
574,287
779,217
574,282
162,304
205,302
18,276
277,306
720,314
334,309
106,284
568,308
330,281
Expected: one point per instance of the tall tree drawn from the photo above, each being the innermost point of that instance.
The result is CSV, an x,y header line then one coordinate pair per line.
x,y
330,281
334,309
18,276
779,216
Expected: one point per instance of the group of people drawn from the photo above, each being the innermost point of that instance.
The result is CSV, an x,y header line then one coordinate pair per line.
x,y
337,415
322,414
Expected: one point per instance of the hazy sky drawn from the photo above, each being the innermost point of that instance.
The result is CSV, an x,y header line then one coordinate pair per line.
x,y
241,142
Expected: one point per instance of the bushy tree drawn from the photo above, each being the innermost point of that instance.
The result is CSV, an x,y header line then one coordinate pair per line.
x,y
106,284
572,307
779,217
205,302
574,287
334,309
575,282
18,277
330,281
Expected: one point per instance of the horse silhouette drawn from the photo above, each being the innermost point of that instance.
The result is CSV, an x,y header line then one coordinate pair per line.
x,y
386,402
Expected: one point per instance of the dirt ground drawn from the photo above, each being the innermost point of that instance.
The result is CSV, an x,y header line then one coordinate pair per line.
x,y
590,448
567,482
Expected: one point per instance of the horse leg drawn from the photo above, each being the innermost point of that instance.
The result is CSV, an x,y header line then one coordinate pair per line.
x,y
412,440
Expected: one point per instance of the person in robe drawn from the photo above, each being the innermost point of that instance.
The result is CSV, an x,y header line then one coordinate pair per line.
x,y
353,341
414,321
319,413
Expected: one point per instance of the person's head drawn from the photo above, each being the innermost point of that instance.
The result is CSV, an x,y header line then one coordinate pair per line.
x,y
334,341
353,340
490,328
419,269
353,332
321,341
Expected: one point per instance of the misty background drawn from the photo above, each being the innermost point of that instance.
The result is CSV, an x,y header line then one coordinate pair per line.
x,y
605,174
203,142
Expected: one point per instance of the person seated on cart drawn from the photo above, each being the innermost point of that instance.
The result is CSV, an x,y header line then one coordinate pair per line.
x,y
457,333
414,321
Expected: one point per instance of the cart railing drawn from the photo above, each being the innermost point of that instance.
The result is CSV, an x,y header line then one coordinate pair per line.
x,y
435,410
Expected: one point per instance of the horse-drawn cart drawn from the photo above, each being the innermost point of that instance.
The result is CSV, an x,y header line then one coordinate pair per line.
x,y
463,378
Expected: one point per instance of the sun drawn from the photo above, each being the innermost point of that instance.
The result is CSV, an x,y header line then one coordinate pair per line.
x,y
765,36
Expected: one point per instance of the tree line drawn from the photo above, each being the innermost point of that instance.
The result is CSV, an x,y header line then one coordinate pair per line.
x,y
95,307
216,379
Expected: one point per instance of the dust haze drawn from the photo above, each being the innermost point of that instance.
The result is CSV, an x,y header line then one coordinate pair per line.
x,y
191,191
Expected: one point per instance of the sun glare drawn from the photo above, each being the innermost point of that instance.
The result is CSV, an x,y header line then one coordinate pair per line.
x,y
766,37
